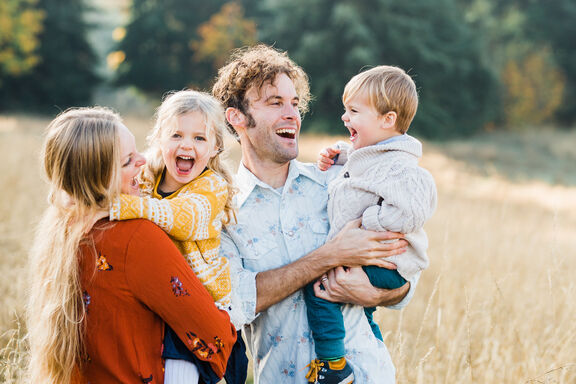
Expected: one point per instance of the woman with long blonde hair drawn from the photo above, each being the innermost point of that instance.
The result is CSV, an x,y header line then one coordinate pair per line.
x,y
92,280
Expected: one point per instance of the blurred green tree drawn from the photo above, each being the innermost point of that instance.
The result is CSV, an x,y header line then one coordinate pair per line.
x,y
172,44
553,23
20,24
532,82
64,75
336,39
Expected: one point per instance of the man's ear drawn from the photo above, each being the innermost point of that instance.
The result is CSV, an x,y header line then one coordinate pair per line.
x,y
235,117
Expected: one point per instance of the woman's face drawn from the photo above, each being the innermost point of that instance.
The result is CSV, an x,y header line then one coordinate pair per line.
x,y
131,161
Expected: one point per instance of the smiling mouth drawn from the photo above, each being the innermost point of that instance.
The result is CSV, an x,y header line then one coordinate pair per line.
x,y
184,164
353,134
287,133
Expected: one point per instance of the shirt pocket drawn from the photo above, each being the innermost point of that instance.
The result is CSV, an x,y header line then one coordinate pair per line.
x,y
256,247
318,229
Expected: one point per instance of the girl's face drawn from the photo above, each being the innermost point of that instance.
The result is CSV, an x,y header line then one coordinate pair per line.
x,y
131,160
185,151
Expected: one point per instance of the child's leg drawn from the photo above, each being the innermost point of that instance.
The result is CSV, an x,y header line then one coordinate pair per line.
x,y
381,278
180,372
237,368
327,325
181,360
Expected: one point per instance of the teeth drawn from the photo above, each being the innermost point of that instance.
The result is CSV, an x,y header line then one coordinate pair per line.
x,y
186,157
287,130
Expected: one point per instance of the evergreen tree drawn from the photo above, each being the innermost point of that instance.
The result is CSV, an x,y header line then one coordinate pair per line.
x,y
159,42
65,73
336,39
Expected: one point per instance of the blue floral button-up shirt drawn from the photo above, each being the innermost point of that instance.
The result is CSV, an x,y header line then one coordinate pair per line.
x,y
275,228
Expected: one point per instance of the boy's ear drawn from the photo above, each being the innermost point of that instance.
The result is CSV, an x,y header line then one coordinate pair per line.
x,y
389,119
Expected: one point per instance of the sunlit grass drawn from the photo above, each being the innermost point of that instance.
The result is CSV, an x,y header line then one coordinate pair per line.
x,y
496,306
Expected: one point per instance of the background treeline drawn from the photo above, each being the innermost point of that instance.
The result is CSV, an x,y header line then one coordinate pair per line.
x,y
479,64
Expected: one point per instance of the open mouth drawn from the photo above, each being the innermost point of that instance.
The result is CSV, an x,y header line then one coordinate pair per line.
x,y
184,164
353,134
287,133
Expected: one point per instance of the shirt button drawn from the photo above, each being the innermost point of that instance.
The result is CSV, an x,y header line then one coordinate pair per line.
x,y
290,233
346,175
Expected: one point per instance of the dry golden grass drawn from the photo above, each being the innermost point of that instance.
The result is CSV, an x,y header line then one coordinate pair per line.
x,y
496,306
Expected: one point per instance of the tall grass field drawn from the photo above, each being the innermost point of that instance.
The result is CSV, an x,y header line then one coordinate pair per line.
x,y
497,305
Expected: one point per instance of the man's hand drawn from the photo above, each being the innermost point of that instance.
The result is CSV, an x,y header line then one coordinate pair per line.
x,y
351,285
355,247
326,156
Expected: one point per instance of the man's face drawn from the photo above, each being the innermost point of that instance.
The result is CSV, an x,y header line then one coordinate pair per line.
x,y
276,121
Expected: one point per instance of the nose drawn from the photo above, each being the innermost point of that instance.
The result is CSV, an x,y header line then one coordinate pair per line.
x,y
344,116
291,112
187,143
140,160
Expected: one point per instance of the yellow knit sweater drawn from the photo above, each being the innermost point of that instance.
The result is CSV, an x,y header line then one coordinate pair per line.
x,y
192,217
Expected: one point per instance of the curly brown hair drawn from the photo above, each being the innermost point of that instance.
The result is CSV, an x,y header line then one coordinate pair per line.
x,y
253,67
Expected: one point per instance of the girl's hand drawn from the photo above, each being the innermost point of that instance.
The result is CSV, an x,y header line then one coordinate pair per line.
x,y
326,156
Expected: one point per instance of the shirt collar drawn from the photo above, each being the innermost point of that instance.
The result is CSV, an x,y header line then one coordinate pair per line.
x,y
393,139
246,181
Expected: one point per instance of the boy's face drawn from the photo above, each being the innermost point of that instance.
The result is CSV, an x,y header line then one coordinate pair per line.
x,y
366,125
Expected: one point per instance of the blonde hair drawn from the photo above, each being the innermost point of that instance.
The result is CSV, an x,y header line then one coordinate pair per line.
x,y
253,67
389,89
81,158
175,105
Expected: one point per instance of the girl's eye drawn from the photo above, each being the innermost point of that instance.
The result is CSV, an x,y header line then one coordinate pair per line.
x,y
176,136
127,163
200,138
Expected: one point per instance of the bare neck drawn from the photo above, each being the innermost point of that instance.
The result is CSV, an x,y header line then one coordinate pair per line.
x,y
268,171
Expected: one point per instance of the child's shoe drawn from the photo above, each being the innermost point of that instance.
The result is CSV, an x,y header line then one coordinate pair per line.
x,y
330,372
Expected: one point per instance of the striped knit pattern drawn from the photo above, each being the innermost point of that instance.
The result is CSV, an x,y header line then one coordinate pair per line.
x,y
192,217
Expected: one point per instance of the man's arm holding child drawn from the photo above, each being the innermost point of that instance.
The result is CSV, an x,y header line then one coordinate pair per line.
x,y
352,246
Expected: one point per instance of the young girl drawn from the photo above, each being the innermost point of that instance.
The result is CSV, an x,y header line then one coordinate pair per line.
x,y
187,191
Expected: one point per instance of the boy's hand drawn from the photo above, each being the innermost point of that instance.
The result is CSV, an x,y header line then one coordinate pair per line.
x,y
326,156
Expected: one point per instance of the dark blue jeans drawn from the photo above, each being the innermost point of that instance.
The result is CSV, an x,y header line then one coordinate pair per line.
x,y
325,318
236,370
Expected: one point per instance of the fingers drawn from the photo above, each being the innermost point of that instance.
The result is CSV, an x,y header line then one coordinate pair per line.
x,y
324,163
331,152
322,293
384,264
383,236
325,158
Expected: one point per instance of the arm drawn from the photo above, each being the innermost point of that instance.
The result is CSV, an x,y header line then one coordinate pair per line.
x,y
352,246
407,200
186,217
160,278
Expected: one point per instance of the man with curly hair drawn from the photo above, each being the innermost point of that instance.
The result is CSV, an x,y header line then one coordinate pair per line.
x,y
278,244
